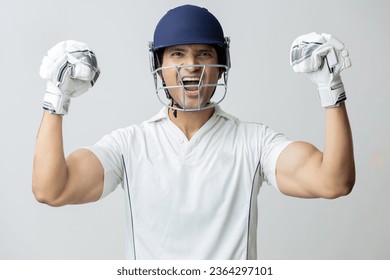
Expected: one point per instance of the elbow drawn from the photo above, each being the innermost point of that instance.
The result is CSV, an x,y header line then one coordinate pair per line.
x,y
338,192
340,189
44,197
349,186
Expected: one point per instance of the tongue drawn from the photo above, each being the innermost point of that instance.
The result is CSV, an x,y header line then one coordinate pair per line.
x,y
195,88
191,86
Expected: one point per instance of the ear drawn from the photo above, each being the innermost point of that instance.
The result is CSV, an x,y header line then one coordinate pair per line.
x,y
159,73
221,71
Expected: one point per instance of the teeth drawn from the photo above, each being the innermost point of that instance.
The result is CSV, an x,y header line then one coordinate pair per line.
x,y
190,79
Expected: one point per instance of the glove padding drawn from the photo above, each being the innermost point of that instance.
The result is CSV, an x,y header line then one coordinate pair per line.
x,y
70,69
322,57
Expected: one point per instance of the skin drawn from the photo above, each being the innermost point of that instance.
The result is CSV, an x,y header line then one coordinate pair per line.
x,y
301,170
190,122
185,56
304,171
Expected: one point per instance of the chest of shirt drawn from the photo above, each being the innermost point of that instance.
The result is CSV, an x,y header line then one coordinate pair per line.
x,y
216,157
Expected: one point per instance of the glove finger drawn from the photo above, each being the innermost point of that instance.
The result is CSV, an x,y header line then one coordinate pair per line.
x,y
346,58
317,58
57,50
332,40
75,86
302,58
302,50
85,64
54,55
74,46
312,37
44,69
337,58
50,68
340,55
70,65
83,72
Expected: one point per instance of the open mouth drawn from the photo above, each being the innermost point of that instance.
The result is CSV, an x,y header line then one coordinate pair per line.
x,y
191,84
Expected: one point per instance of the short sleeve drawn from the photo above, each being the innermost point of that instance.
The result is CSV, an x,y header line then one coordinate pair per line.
x,y
109,152
273,143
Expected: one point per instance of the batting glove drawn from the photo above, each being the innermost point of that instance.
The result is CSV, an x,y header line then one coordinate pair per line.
x,y
70,69
322,57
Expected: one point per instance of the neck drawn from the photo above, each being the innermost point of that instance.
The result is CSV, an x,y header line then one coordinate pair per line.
x,y
191,122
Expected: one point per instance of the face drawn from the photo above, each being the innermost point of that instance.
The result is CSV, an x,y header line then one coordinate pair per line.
x,y
188,78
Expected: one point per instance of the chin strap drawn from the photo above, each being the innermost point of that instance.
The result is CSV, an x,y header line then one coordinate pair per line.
x,y
174,103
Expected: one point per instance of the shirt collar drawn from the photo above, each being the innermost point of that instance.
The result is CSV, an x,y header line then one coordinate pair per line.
x,y
163,114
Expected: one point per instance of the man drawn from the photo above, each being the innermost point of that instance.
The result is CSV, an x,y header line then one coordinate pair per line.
x,y
192,173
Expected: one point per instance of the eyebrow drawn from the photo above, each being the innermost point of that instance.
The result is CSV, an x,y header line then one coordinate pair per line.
x,y
175,49
178,48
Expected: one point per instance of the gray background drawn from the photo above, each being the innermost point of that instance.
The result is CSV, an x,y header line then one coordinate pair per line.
x,y
262,87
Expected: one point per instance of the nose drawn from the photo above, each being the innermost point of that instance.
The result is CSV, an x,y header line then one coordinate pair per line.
x,y
189,62
189,66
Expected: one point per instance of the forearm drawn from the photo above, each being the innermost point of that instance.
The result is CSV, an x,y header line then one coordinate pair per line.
x,y
70,69
49,166
302,169
338,160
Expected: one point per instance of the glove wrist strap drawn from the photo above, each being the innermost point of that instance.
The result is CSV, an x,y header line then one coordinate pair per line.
x,y
332,96
56,103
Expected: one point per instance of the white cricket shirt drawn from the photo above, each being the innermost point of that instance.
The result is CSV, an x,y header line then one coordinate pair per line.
x,y
192,199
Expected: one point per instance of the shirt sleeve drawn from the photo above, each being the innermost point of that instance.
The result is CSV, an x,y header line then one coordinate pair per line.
x,y
273,143
109,152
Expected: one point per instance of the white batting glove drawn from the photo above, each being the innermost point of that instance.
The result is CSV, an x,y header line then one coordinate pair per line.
x,y
70,69
322,57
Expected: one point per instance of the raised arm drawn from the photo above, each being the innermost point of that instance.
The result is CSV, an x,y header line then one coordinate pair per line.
x,y
56,180
303,170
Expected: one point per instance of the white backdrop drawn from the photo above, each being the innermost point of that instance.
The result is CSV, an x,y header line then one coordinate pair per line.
x,y
262,88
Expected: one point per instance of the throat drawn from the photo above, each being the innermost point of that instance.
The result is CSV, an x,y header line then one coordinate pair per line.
x,y
190,122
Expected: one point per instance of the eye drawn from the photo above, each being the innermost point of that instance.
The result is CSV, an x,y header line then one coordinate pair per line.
x,y
204,54
177,54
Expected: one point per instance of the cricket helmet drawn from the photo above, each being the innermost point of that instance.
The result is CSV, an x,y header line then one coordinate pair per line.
x,y
184,25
